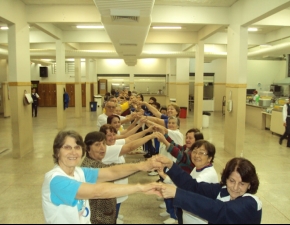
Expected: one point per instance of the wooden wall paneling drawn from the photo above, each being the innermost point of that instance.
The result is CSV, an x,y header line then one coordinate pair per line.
x,y
53,95
41,93
84,95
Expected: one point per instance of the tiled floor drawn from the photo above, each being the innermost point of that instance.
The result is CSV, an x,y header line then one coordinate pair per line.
x,y
21,179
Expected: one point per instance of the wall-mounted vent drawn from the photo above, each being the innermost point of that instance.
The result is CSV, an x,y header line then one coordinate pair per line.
x,y
125,18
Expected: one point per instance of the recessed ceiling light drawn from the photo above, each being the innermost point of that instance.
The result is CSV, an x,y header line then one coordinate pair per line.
x,y
4,28
252,29
90,27
169,27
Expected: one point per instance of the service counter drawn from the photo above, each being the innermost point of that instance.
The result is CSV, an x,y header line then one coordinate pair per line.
x,y
277,122
258,117
254,116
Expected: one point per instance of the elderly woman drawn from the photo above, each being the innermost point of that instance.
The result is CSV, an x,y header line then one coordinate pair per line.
x,y
231,201
103,211
67,187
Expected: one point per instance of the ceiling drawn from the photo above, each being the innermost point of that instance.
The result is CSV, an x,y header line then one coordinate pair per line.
x,y
132,40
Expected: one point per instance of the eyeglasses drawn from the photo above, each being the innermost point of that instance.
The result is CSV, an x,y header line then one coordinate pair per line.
x,y
110,107
198,153
68,147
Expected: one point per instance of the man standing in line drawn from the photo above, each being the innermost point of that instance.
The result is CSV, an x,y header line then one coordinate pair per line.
x,y
35,98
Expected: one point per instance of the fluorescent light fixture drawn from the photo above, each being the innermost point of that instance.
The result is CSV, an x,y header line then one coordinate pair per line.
x,y
167,28
4,28
90,27
252,29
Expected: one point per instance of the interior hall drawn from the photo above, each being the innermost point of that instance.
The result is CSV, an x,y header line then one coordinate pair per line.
x,y
208,57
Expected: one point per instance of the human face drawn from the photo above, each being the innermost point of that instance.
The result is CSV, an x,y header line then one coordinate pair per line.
x,y
172,125
171,111
235,186
189,139
110,108
116,123
200,158
139,98
69,155
98,150
163,111
118,110
110,138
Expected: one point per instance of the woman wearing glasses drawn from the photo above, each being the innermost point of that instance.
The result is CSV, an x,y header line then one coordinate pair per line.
x,y
202,156
232,201
67,187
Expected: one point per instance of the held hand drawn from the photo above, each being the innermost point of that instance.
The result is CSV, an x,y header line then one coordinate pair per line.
x,y
151,164
160,137
152,189
166,162
168,191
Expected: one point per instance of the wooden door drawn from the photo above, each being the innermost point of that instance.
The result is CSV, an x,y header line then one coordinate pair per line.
x,y
52,95
83,95
41,93
70,89
102,83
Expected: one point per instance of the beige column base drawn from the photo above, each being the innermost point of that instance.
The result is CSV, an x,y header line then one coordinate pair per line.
x,y
198,100
235,120
21,119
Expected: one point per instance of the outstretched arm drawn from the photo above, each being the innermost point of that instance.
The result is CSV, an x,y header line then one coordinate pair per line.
x,y
152,109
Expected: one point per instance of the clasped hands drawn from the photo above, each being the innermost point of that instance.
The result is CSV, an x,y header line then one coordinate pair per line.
x,y
158,162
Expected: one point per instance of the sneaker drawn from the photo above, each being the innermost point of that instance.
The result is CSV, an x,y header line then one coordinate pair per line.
x,y
162,205
121,217
152,173
169,221
120,221
159,198
164,214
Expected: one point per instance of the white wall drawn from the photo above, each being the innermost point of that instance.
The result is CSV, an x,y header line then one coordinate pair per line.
x,y
265,72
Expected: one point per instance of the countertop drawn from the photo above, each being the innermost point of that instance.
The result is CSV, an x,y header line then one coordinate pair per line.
x,y
257,106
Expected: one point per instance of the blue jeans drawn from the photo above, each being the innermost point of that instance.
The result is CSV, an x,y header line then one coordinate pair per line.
x,y
170,208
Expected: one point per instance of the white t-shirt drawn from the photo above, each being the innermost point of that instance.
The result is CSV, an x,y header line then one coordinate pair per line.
x,y
208,175
177,137
59,190
112,156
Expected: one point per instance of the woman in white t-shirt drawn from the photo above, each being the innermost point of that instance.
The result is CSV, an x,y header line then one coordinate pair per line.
x,y
202,156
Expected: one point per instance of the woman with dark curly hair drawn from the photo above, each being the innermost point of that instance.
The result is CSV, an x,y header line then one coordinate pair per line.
x,y
231,201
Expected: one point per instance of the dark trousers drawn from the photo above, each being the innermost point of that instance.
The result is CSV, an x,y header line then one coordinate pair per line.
x,y
34,110
286,134
117,209
170,208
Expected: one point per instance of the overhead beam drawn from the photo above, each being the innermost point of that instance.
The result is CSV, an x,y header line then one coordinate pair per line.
x,y
250,12
208,31
49,29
